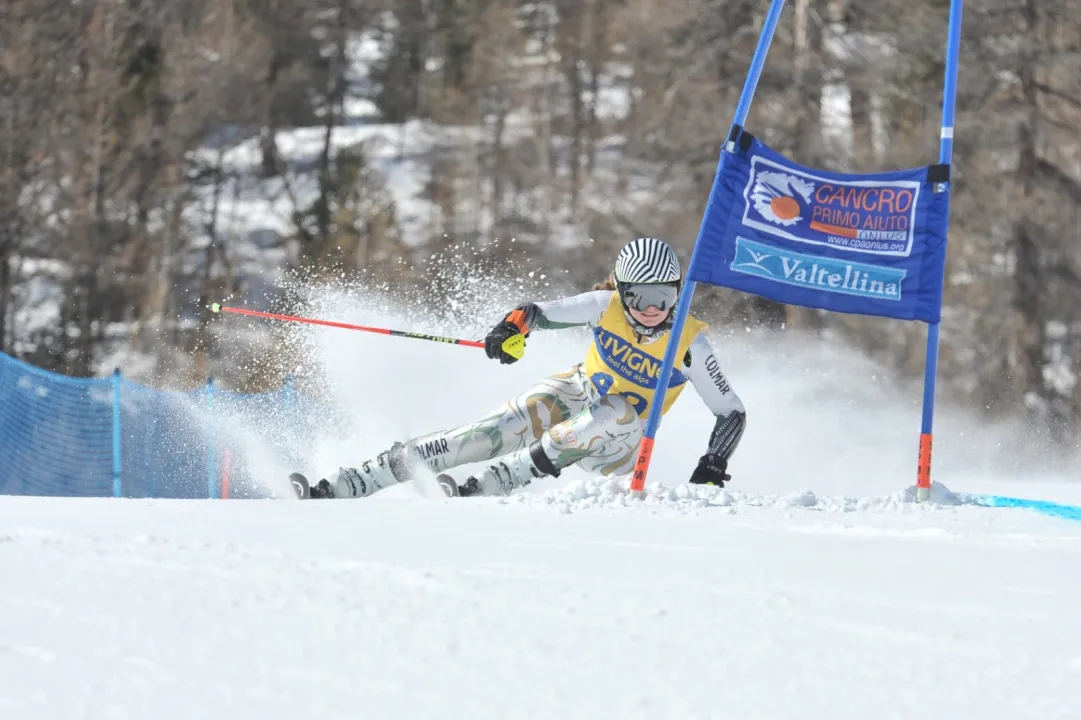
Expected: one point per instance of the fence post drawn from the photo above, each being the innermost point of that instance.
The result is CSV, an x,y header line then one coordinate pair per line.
x,y
118,481
211,465
226,472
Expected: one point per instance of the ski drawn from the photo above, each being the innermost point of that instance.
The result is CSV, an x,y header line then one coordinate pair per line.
x,y
301,486
448,485
452,489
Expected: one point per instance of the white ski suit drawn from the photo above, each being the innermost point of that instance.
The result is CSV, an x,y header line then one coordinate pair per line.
x,y
592,415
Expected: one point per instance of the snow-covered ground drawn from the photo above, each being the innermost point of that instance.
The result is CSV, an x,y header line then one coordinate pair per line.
x,y
406,607
810,589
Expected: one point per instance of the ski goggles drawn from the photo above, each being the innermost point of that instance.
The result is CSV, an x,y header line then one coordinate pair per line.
x,y
645,295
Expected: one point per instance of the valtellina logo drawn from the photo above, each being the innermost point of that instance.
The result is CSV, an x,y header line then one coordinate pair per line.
x,y
815,272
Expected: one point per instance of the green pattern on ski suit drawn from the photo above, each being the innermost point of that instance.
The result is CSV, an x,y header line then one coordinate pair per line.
x,y
603,438
564,411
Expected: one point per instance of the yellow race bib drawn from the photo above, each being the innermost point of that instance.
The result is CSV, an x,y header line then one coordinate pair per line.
x,y
616,363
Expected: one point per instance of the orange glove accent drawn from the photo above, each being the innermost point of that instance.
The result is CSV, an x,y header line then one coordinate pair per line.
x,y
517,318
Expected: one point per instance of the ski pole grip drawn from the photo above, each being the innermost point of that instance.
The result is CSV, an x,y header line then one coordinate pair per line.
x,y
515,346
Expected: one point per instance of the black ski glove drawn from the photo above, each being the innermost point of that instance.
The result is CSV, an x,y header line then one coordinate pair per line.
x,y
711,471
493,343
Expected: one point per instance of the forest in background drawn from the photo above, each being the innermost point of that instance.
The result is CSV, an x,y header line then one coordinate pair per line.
x,y
570,126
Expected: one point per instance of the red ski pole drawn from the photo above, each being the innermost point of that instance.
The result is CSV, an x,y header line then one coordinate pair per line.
x,y
514,346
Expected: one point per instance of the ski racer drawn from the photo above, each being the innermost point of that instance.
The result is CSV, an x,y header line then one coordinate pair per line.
x,y
593,414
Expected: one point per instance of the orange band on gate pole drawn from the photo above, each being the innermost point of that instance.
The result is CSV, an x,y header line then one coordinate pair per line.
x,y
641,465
923,470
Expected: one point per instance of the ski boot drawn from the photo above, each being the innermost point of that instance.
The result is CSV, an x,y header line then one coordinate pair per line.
x,y
389,467
504,475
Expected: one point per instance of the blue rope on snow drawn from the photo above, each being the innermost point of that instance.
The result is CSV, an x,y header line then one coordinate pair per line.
x,y
1046,507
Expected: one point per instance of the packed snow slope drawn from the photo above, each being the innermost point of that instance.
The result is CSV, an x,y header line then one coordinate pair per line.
x,y
811,588
406,607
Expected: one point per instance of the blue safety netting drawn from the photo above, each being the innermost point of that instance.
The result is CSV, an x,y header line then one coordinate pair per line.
x,y
78,437
56,433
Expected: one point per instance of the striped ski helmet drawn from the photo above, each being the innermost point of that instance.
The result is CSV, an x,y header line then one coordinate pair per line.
x,y
648,273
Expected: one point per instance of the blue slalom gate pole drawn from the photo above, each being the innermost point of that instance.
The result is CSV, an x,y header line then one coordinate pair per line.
x,y
118,480
758,61
945,156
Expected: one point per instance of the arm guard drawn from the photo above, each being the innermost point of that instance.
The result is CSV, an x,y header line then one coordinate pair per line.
x,y
574,311
524,317
727,432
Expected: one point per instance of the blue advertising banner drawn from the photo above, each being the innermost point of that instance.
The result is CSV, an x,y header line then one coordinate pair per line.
x,y
868,244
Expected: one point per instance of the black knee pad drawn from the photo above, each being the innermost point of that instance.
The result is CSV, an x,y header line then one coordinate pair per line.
x,y
541,460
